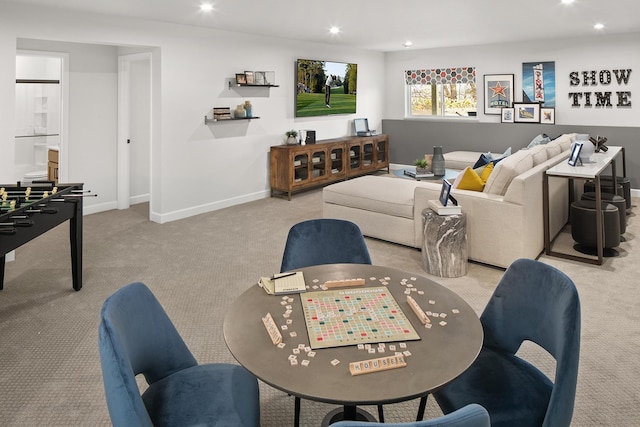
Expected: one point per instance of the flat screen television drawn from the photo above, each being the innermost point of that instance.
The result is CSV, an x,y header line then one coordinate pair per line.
x,y
325,87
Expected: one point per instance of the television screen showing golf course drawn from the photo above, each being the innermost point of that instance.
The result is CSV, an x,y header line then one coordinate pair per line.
x,y
324,88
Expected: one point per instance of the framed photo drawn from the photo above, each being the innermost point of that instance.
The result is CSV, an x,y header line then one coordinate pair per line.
x,y
526,112
506,115
250,78
498,92
241,79
259,78
444,192
574,158
548,115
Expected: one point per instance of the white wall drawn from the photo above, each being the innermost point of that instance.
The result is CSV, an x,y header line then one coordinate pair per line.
x,y
195,167
581,54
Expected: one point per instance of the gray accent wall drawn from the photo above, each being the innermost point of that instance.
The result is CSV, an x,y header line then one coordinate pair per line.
x,y
410,139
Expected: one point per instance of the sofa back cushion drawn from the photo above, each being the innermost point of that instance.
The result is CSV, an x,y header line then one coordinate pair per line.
x,y
553,148
504,172
565,141
538,154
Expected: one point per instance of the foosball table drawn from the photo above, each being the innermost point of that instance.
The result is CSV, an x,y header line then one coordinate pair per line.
x,y
26,212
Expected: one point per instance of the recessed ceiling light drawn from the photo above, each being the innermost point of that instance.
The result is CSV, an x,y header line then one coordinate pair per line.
x,y
598,26
206,7
334,30
567,1
408,43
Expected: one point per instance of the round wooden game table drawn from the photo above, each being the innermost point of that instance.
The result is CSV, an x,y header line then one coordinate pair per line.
x,y
442,353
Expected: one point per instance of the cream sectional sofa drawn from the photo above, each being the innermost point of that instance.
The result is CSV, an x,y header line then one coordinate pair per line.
x,y
504,222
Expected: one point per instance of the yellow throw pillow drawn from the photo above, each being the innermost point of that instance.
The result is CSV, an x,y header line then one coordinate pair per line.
x,y
484,176
470,180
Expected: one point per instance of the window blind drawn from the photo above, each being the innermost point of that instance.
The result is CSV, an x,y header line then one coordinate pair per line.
x,y
441,75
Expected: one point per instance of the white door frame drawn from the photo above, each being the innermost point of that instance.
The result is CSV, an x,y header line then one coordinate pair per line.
x,y
124,126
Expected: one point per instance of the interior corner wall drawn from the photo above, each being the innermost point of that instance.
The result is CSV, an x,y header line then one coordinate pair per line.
x,y
196,167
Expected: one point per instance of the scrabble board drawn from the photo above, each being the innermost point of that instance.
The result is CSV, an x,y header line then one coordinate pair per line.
x,y
343,317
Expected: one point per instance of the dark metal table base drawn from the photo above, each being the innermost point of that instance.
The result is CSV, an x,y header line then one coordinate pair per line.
x,y
347,413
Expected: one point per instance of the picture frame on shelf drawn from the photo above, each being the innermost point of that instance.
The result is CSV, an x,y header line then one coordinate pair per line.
x,y
270,78
506,115
241,79
498,92
259,78
526,112
250,77
548,115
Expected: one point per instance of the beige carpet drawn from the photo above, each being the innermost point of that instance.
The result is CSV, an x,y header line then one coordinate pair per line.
x,y
48,333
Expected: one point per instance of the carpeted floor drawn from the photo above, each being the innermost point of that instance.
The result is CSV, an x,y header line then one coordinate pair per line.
x,y
48,333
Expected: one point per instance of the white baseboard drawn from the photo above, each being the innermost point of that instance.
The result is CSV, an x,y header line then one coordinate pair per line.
x,y
143,198
209,207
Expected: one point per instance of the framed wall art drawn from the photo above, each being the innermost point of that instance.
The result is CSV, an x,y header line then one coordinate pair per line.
x,y
539,83
506,115
525,112
548,115
498,92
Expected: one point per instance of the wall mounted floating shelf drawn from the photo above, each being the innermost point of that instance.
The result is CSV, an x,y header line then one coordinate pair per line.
x,y
232,84
207,120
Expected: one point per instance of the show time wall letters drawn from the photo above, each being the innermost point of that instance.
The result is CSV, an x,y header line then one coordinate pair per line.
x,y
622,98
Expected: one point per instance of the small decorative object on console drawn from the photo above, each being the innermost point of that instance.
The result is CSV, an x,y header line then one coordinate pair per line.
x,y
599,142
587,148
437,163
421,166
291,137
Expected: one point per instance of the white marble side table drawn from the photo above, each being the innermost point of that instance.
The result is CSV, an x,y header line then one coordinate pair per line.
x,y
444,248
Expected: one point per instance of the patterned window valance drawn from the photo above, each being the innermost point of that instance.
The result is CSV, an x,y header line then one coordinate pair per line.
x,y
441,75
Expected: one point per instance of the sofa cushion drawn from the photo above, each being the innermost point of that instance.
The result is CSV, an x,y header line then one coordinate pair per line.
x,y
553,148
543,138
506,170
538,154
386,195
565,141
486,172
468,179
486,158
460,159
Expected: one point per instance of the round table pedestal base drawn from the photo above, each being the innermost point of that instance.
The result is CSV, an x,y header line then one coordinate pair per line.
x,y
338,415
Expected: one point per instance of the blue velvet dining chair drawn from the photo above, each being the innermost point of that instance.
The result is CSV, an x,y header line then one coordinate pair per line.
x,y
137,337
324,241
536,302
472,415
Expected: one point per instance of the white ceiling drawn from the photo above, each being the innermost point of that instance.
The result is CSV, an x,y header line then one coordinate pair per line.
x,y
383,25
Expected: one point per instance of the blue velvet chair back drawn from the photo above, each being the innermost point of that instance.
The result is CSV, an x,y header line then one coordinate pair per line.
x,y
537,302
472,415
324,241
136,337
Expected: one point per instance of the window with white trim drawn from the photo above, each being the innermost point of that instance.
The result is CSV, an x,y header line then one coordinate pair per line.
x,y
441,92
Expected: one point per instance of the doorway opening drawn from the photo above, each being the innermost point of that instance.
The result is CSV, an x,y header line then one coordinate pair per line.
x,y
40,116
